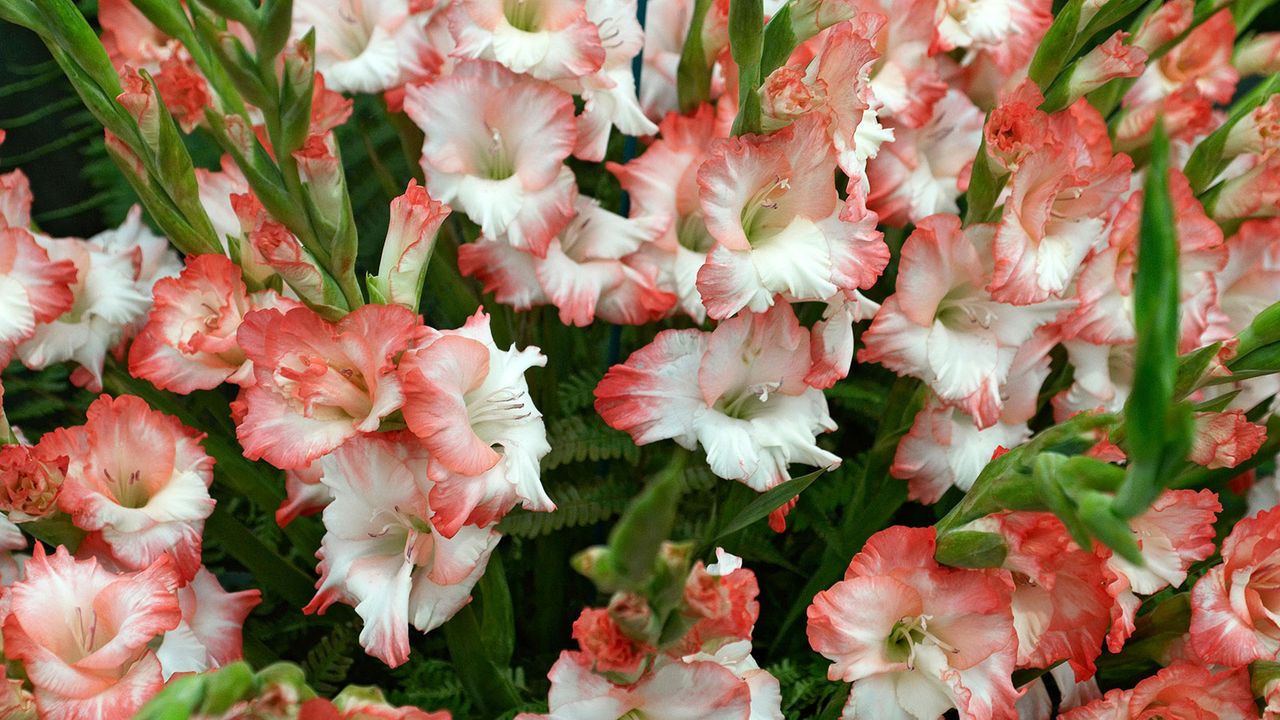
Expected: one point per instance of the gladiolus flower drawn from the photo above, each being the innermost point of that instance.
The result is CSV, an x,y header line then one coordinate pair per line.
x,y
1055,214
914,635
83,633
547,39
469,404
662,182
114,274
139,480
360,44
1225,439
210,633
189,341
1176,531
1182,690
771,206
737,391
723,599
606,645
318,383
31,479
923,171
596,267
34,289
678,689
944,328
1060,600
494,148
381,552
1231,613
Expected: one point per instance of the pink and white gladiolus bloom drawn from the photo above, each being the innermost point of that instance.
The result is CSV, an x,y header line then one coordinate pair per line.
x,y
942,326
210,634
83,633
382,553
138,483
1232,605
34,289
685,689
114,273
495,148
663,182
600,266
916,638
362,46
189,340
468,402
778,224
315,383
737,391
545,39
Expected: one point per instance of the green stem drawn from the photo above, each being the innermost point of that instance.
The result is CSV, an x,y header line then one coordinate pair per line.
x,y
488,688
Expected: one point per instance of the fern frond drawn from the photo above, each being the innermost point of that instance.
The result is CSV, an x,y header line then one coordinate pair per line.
x,y
575,506
578,438
577,392
329,661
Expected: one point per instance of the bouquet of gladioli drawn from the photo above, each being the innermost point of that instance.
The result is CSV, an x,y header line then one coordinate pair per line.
x,y
647,359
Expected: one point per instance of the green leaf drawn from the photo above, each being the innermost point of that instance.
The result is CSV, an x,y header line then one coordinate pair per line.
x,y
636,539
1106,17
746,43
1095,511
1053,51
1191,368
1148,429
971,549
242,11
497,618
693,74
273,32
488,688
64,22
202,694
766,503
779,41
985,185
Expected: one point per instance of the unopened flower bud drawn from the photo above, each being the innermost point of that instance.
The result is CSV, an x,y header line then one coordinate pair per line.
x,y
1257,133
1164,25
786,96
1259,55
30,480
411,236
633,615
810,17
1111,60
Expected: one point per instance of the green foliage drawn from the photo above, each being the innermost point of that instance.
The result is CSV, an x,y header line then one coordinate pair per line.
x,y
328,663
586,438
588,503
39,401
429,683
1158,432
576,392
806,691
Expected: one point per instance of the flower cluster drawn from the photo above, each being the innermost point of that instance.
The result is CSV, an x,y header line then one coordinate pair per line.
x,y
909,632
628,663
98,632
729,225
